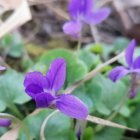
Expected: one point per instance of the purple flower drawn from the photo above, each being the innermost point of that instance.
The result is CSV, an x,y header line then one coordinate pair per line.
x,y
5,122
133,64
44,90
2,68
133,68
83,11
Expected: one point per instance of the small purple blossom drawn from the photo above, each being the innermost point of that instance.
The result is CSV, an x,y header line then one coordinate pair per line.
x,y
2,68
133,68
45,91
5,122
83,11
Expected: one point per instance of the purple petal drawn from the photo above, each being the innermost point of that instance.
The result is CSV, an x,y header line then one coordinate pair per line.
x,y
44,100
97,16
117,73
36,78
56,74
72,28
78,8
133,93
33,89
72,106
2,68
136,63
135,71
129,52
5,122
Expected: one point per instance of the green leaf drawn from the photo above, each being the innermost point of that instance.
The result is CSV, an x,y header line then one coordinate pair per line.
x,y
125,111
90,94
59,127
120,44
76,69
88,133
11,89
96,48
88,58
112,93
14,44
2,105
109,134
133,121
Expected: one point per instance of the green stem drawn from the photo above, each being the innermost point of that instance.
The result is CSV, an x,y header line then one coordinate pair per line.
x,y
79,44
15,110
93,73
11,117
42,131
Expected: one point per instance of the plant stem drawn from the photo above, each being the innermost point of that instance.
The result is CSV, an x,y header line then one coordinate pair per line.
x,y
93,73
79,44
15,110
95,33
100,121
9,116
42,136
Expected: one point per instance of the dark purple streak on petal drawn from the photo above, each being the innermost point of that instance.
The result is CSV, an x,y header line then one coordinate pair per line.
x,y
44,100
56,74
33,89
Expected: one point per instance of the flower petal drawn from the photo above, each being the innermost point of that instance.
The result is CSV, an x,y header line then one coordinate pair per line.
x,y
72,106
2,68
72,28
97,16
56,74
117,73
129,52
133,93
5,122
77,8
36,78
135,71
44,100
136,63
33,89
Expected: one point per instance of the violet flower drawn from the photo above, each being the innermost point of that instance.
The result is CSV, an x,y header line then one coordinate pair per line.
x,y
5,122
83,11
44,90
133,68
2,68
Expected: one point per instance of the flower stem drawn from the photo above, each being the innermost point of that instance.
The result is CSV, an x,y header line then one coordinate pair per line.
x,y
100,121
15,110
95,33
79,44
9,116
93,73
42,136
